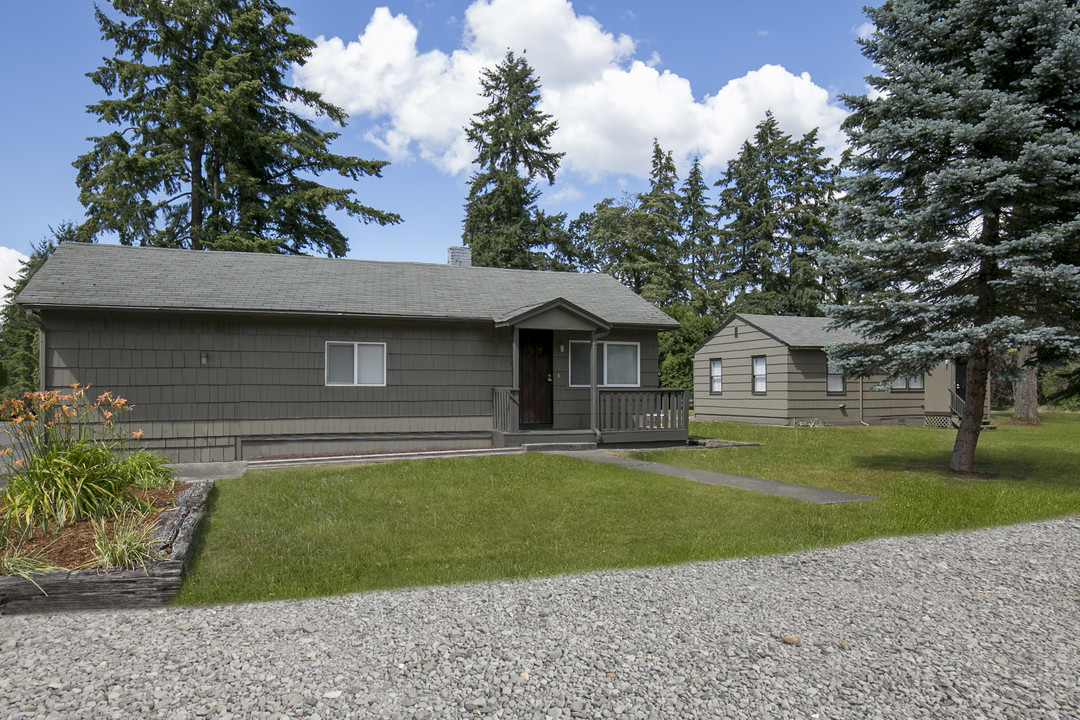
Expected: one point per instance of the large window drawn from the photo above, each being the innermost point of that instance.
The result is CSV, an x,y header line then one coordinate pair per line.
x,y
915,382
759,378
716,376
356,363
618,364
835,383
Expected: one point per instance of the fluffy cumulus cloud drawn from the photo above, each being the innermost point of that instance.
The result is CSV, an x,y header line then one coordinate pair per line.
x,y
609,104
10,265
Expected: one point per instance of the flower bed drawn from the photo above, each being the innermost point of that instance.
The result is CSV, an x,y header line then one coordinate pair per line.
x,y
78,497
154,584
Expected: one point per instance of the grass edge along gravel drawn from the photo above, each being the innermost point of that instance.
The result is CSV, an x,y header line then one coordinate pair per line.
x,y
307,532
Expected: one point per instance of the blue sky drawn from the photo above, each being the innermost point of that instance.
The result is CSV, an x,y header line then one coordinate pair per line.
x,y
696,75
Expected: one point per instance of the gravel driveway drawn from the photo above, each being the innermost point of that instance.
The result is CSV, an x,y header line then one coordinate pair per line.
x,y
978,624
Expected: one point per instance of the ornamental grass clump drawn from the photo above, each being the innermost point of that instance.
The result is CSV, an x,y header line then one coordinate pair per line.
x,y
63,463
130,545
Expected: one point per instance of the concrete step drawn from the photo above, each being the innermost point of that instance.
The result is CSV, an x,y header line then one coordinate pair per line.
x,y
378,457
559,446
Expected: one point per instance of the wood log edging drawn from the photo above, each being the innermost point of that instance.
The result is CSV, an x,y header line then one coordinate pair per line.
x,y
153,585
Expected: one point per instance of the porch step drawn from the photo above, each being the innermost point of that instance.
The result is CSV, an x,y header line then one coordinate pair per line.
x,y
559,446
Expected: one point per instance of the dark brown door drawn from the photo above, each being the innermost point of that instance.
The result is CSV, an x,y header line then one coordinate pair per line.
x,y
961,379
534,356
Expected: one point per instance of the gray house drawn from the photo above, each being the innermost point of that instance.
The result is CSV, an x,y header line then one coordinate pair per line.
x,y
774,370
230,356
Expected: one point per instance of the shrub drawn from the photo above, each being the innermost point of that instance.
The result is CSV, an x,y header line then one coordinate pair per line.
x,y
145,469
65,485
130,545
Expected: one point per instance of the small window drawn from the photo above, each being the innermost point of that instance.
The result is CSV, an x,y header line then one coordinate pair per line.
x,y
579,364
356,364
835,383
621,364
760,386
915,382
716,376
617,364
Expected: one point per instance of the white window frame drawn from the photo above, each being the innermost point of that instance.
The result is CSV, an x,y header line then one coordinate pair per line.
x,y
754,375
912,382
716,379
831,372
353,345
601,347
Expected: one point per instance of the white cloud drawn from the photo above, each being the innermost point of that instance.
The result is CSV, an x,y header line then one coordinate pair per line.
x,y
10,265
864,31
609,105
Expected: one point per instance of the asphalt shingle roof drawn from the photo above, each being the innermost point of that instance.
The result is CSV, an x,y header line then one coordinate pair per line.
x,y
800,332
112,276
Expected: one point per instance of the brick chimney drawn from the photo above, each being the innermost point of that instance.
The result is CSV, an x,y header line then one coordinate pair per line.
x,y
459,255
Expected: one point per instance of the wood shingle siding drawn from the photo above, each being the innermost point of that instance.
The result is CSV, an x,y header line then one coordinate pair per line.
x,y
266,376
224,355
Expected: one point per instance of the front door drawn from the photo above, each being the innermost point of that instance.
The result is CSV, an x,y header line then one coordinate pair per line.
x,y
534,357
961,379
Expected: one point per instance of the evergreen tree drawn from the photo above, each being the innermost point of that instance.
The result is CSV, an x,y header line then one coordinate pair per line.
x,y
208,152
698,226
961,220
775,200
676,347
18,336
503,226
637,240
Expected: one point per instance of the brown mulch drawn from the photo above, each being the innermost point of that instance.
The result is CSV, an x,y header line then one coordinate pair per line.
x,y
73,546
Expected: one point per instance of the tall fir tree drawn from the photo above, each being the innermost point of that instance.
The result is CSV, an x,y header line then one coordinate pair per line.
x,y
774,206
698,226
208,152
961,218
503,225
636,239
19,336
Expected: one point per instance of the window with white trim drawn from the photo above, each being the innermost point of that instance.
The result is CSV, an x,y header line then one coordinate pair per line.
x,y
759,375
835,382
915,382
618,364
356,363
716,376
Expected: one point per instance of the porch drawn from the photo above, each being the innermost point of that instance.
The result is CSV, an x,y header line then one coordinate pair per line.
x,y
622,416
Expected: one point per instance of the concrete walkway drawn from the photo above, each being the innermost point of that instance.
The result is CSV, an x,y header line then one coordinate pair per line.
x,y
819,496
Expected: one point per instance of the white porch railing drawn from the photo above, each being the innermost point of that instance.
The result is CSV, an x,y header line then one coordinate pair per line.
x,y
956,404
644,410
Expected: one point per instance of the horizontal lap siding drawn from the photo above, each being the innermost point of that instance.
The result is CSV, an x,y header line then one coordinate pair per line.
x,y
810,399
737,402
266,376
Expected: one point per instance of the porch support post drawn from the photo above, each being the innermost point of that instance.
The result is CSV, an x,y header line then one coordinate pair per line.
x,y
517,364
594,399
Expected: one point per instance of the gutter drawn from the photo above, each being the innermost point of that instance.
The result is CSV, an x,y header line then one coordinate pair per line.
x,y
305,313
594,391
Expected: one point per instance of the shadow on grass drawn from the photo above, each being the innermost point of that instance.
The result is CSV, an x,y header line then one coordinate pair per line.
x,y
1012,464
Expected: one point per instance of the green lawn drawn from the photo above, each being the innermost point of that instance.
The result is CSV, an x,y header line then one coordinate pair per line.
x,y
327,530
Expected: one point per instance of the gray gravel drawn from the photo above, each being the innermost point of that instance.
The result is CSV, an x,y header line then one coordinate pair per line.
x,y
971,625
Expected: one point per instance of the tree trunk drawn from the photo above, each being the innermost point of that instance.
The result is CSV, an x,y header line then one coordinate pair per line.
x,y
195,156
967,437
1026,391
